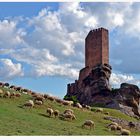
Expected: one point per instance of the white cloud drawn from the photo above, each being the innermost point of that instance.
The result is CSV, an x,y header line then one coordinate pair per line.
x,y
54,45
9,69
117,79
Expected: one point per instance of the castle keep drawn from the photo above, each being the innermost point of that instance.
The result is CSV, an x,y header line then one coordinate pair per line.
x,y
97,70
93,88
96,47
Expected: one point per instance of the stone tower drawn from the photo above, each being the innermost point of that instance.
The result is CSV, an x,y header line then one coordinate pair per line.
x,y
96,47
93,79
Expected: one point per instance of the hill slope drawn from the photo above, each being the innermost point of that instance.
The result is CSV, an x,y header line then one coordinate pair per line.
x,y
16,120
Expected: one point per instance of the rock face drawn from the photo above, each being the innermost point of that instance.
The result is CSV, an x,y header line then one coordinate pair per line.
x,y
128,98
94,88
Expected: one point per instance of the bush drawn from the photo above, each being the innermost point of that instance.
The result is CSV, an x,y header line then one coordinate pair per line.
x,y
72,98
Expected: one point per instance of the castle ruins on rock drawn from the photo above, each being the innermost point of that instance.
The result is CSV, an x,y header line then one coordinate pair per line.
x,y
94,78
93,88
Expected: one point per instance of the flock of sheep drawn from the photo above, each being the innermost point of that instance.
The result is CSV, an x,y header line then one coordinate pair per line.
x,y
68,114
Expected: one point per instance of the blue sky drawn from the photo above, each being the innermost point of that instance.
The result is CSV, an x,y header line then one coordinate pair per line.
x,y
42,44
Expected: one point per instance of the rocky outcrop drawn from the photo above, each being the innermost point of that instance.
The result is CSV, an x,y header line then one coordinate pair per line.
x,y
94,88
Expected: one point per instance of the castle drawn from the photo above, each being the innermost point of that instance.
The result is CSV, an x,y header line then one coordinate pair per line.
x,y
96,64
93,88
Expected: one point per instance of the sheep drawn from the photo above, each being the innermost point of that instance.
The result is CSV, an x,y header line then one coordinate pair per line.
x,y
37,102
56,113
18,95
6,84
1,92
7,94
119,127
40,98
106,113
131,125
88,107
59,100
12,95
66,103
89,123
30,104
51,98
69,116
78,105
125,132
45,96
68,111
50,112
113,127
113,123
99,110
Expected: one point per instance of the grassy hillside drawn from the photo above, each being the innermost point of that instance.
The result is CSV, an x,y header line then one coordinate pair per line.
x,y
15,120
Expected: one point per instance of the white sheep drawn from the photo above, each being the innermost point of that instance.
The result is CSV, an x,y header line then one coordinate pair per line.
x,y
79,105
88,123
99,110
69,116
68,111
113,123
38,102
50,112
113,127
119,127
125,132
56,113
30,104
7,94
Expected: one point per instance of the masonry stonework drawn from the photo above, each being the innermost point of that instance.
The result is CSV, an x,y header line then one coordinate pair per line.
x,y
94,77
96,47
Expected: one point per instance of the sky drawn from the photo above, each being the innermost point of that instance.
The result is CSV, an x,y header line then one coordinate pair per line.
x,y
42,44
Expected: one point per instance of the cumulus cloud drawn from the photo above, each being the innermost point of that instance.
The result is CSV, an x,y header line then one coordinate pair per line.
x,y
8,69
117,79
54,45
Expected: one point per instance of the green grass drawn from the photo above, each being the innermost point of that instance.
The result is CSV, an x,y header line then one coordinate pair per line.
x,y
15,120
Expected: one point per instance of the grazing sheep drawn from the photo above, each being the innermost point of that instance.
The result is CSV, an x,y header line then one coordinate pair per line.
x,y
59,100
1,84
30,104
45,96
6,84
66,103
99,110
40,98
51,98
78,105
113,127
56,113
50,111
69,116
88,107
125,132
68,111
1,92
18,95
88,123
12,95
12,87
106,113
37,102
113,123
119,127
131,125
7,94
